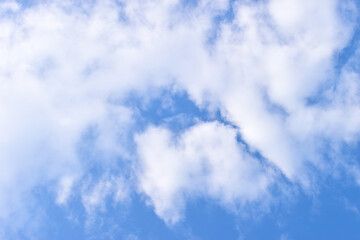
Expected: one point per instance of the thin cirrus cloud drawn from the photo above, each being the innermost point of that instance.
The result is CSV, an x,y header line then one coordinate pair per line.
x,y
271,71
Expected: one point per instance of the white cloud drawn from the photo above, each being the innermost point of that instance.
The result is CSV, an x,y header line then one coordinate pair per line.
x,y
94,196
268,71
204,160
9,6
49,99
68,65
64,191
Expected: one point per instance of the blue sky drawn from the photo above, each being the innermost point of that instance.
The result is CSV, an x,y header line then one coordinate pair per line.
x,y
172,119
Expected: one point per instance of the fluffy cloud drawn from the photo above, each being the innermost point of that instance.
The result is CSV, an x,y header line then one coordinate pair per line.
x,y
69,66
204,160
263,72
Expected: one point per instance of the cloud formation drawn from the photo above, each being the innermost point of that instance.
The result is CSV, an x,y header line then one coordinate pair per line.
x,y
268,68
204,160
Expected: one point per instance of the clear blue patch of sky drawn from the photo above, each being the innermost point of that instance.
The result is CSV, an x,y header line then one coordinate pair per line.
x,y
321,217
174,110
208,220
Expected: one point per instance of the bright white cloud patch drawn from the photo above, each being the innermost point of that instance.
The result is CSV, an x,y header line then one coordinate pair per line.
x,y
204,160
270,68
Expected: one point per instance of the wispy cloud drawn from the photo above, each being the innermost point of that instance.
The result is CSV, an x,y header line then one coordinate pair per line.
x,y
271,70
